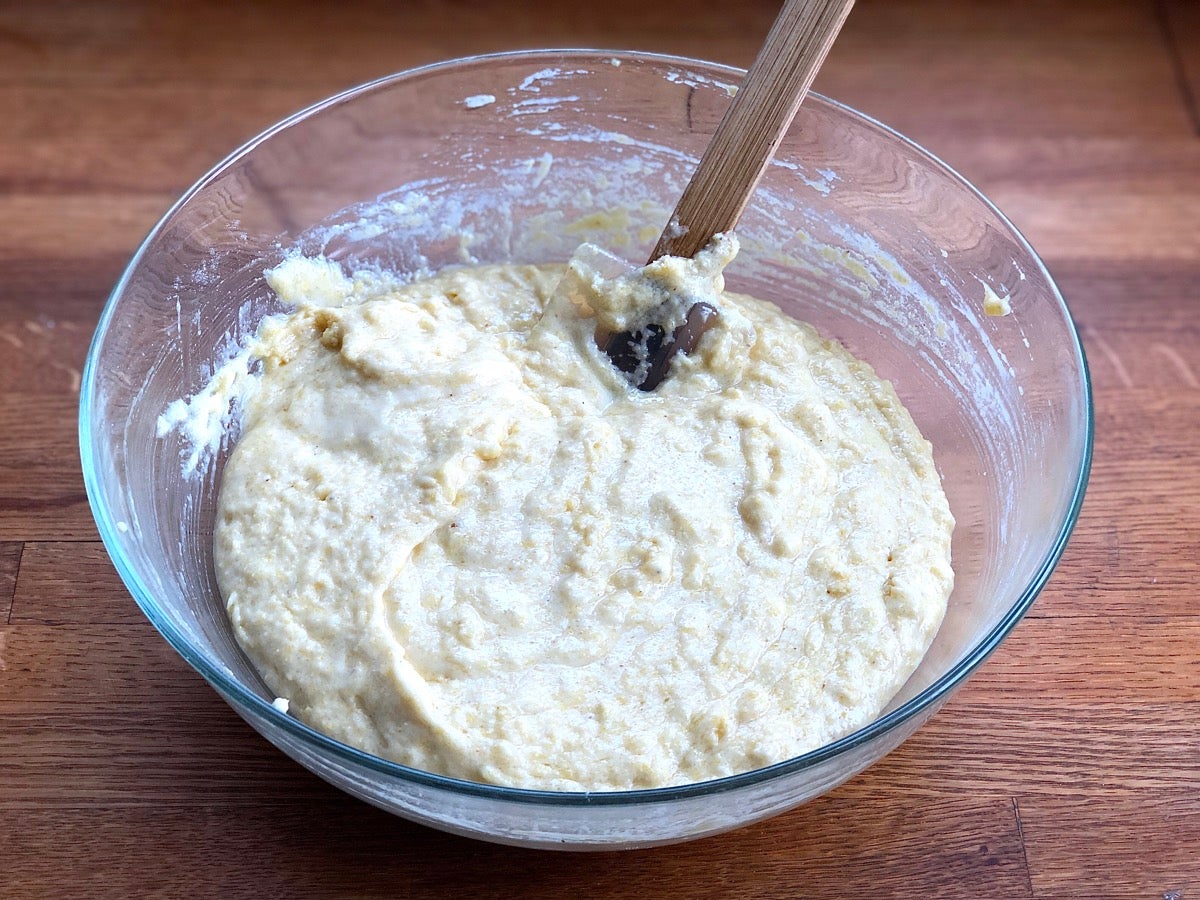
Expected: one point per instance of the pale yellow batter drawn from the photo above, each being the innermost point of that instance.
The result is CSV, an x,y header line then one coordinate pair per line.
x,y
452,534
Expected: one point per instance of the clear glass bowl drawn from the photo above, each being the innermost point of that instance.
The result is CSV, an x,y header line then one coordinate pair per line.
x,y
520,157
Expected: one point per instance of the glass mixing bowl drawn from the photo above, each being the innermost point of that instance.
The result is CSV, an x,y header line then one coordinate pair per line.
x,y
520,157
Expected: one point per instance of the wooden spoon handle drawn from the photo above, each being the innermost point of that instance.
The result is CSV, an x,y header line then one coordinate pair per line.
x,y
754,124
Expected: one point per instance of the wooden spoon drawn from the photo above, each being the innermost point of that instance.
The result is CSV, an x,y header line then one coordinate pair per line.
x,y
734,161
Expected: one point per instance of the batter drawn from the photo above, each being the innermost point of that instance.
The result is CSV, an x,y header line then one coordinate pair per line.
x,y
453,535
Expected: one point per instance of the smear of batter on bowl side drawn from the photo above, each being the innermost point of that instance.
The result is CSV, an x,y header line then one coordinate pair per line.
x,y
453,535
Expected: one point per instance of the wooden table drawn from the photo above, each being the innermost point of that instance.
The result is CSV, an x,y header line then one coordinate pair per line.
x,y
1068,767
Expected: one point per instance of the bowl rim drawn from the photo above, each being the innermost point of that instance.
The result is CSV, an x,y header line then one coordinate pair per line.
x,y
236,693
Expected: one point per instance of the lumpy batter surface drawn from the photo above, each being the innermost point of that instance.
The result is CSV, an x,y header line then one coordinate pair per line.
x,y
452,535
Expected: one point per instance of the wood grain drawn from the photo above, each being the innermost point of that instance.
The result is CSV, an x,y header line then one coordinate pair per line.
x,y
56,668
1156,663
71,583
1069,766
1010,69
962,846
99,137
10,563
1102,847
332,48
41,486
1015,743
1086,181
1181,31
47,226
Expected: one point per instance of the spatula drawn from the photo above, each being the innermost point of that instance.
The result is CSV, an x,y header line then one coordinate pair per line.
x,y
730,169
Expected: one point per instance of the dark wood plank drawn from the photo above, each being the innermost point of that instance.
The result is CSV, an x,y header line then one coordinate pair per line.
x,y
982,70
42,355
1132,552
10,562
952,848
48,313
1084,199
68,286
273,44
88,667
1021,158
159,754
1066,660
41,485
94,138
1100,67
1053,221
50,226
1147,302
1102,847
72,582
1181,23
1018,742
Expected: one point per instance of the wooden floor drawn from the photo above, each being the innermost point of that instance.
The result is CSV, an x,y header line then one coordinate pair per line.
x,y
1068,767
